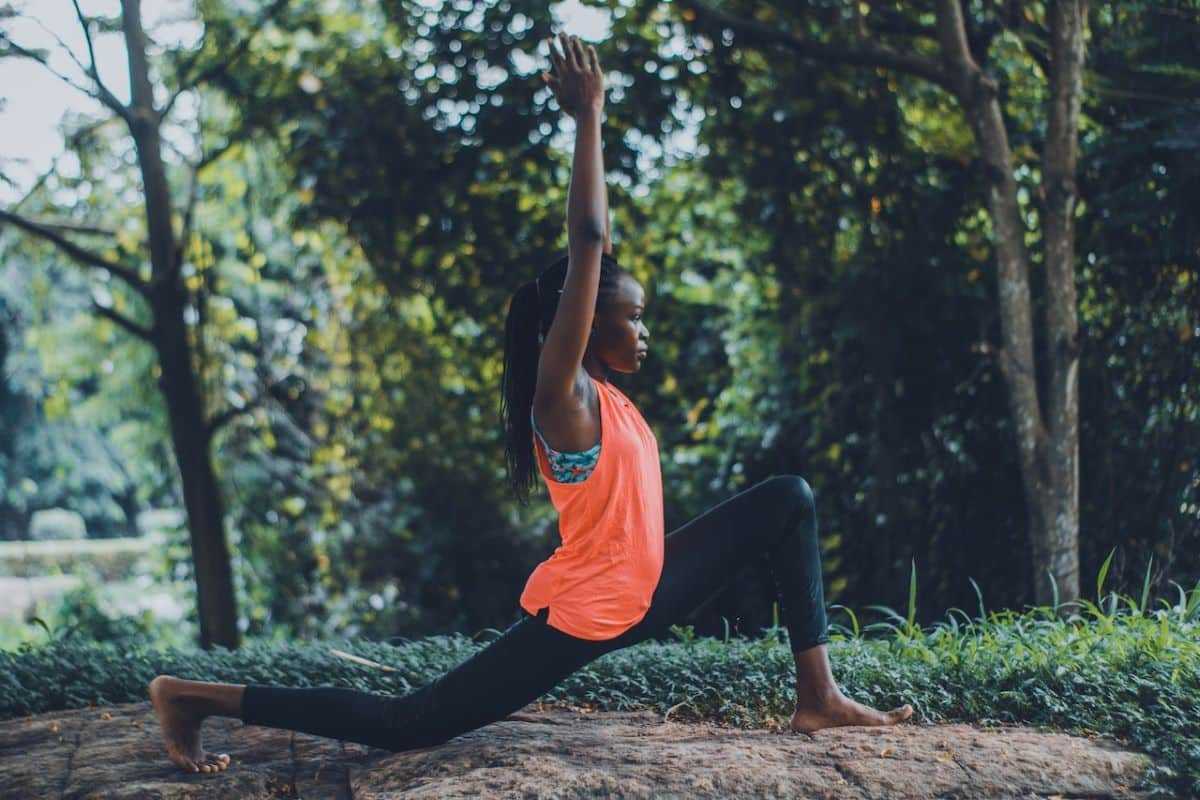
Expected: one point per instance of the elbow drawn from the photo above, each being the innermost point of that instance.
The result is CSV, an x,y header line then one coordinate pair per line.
x,y
589,231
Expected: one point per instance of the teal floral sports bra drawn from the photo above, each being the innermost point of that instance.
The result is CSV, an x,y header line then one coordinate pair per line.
x,y
568,467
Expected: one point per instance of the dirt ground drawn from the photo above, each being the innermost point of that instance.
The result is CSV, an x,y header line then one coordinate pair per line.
x,y
116,752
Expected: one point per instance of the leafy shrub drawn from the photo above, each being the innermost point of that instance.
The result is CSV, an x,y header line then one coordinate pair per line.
x,y
57,523
1117,668
81,618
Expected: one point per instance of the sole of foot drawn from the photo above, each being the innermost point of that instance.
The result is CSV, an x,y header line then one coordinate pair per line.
x,y
181,728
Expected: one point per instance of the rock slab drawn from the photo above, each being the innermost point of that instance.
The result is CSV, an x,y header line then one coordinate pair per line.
x,y
116,752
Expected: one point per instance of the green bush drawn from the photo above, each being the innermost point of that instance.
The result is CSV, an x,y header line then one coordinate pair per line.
x,y
81,618
1118,668
80,615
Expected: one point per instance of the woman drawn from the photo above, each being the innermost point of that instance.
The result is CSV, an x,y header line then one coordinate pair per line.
x,y
615,580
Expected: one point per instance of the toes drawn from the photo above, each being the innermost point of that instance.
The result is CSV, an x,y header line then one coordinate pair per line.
x,y
216,762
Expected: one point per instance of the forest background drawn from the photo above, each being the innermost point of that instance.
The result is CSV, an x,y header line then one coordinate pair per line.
x,y
359,188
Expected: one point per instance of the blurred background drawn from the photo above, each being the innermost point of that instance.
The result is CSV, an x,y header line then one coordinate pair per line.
x,y
252,301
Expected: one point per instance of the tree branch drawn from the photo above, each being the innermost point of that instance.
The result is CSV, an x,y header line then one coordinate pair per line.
x,y
68,226
188,83
106,97
70,53
128,275
219,421
863,54
72,140
189,211
39,57
894,23
952,34
137,330
225,417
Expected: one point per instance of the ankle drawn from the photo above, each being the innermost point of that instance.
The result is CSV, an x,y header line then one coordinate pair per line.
x,y
193,699
808,698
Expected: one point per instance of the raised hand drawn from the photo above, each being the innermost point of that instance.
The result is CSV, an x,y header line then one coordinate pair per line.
x,y
577,82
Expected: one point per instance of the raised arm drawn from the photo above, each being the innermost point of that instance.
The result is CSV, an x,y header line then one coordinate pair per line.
x,y
578,84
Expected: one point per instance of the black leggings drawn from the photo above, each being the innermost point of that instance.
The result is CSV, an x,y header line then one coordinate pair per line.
x,y
775,519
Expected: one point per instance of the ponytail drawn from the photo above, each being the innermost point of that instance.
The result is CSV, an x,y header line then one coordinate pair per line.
x,y
531,310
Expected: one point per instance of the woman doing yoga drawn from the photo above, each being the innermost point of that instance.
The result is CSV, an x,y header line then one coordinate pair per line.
x,y
615,580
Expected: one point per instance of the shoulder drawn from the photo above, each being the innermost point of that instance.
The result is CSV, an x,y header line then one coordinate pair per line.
x,y
572,409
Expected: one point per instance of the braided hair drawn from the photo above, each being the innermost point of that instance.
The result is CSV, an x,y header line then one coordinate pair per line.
x,y
531,310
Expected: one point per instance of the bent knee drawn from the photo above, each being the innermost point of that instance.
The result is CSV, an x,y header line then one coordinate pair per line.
x,y
794,489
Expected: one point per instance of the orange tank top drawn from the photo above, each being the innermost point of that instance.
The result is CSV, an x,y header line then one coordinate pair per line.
x,y
599,582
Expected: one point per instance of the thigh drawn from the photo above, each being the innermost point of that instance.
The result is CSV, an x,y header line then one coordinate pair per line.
x,y
525,662
702,556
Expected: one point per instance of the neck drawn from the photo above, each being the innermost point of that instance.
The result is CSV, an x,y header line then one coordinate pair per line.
x,y
595,369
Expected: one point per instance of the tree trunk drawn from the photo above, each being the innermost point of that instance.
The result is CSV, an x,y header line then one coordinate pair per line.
x,y
191,429
190,432
1056,548
215,596
1047,443
1047,440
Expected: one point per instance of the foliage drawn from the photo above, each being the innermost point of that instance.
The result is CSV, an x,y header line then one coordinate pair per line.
x,y
56,386
81,619
1114,667
818,266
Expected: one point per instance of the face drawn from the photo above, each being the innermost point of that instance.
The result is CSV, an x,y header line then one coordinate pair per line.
x,y
620,338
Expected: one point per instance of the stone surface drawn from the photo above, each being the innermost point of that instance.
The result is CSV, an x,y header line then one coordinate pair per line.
x,y
116,752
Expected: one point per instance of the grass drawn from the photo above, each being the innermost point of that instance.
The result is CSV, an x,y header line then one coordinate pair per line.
x,y
1116,667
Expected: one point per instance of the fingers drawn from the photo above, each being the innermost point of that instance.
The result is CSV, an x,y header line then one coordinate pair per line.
x,y
560,54
575,55
571,48
581,49
556,59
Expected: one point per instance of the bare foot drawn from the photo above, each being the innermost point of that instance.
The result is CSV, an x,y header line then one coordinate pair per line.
x,y
180,721
842,711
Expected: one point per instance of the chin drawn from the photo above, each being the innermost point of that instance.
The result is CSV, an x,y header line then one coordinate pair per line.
x,y
633,365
